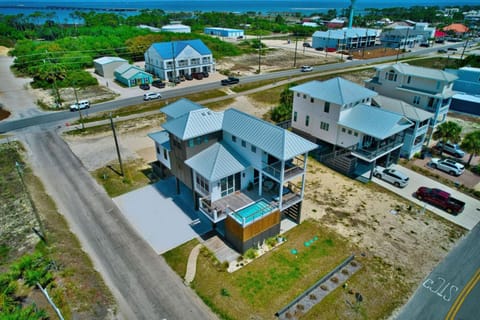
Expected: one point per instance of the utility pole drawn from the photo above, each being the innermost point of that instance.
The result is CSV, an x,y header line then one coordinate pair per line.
x,y
78,107
116,145
295,55
464,47
259,51
42,234
174,67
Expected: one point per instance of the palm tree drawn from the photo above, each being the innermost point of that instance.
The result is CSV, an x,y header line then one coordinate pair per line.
x,y
471,144
447,131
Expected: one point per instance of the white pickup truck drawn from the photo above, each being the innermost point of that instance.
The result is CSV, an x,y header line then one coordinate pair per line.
x,y
452,167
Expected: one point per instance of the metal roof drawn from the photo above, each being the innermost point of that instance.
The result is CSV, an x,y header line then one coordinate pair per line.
x,y
195,123
162,138
217,161
421,72
336,90
278,142
346,33
402,108
170,50
107,60
373,121
180,107
221,29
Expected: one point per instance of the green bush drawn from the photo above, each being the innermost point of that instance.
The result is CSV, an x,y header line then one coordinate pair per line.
x,y
250,254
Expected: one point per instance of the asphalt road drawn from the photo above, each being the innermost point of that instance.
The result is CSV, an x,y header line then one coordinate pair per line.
x,y
452,290
143,284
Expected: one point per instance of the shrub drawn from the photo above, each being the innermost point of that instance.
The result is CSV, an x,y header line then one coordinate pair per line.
x,y
272,242
224,292
300,307
353,264
345,272
312,296
250,254
334,280
324,287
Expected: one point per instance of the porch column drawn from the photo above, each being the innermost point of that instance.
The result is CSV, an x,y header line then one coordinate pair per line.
x,y
373,167
305,158
260,183
282,177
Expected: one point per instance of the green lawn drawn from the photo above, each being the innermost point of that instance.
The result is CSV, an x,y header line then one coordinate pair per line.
x,y
266,285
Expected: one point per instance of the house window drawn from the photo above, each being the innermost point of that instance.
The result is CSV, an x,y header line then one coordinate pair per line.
x,y
326,107
431,102
324,126
298,94
312,100
343,130
234,139
391,76
202,183
355,134
409,79
165,154
416,100
227,186
191,143
438,85
307,121
158,149
244,144
295,116
349,131
253,148
304,96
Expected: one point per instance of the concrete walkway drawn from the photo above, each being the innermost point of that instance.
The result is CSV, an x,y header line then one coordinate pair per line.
x,y
192,264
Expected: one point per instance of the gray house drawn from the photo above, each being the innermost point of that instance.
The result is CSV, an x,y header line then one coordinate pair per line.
x,y
240,169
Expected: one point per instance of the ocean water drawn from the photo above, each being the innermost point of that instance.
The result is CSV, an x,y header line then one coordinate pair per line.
x,y
62,10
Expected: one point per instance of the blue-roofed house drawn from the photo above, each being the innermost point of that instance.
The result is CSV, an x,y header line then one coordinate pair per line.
x,y
345,38
131,75
355,136
167,60
245,174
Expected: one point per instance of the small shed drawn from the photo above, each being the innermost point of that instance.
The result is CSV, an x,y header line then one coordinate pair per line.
x,y
224,32
132,75
105,66
177,28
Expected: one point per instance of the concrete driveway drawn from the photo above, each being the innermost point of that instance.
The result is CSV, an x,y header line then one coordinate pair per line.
x,y
165,220
467,219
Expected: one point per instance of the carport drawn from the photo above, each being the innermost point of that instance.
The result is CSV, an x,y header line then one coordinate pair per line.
x,y
164,219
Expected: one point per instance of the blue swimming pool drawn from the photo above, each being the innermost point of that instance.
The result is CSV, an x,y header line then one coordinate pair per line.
x,y
253,211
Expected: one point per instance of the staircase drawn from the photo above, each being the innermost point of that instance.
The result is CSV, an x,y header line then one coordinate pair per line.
x,y
340,160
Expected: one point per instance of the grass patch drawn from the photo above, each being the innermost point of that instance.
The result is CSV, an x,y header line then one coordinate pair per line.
x,y
137,175
242,87
220,105
269,96
271,281
205,95
177,258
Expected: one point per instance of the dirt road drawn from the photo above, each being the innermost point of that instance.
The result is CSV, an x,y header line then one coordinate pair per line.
x,y
143,284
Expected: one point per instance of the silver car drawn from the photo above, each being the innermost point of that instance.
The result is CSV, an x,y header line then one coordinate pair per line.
x,y
395,177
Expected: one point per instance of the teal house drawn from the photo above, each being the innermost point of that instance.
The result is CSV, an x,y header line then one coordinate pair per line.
x,y
131,75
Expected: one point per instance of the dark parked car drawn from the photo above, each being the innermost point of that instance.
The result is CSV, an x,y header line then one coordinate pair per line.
x,y
441,199
425,45
205,74
145,86
452,49
175,80
319,49
158,84
197,75
230,80
442,51
307,45
188,77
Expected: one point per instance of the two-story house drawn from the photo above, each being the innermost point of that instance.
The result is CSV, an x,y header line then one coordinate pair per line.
x,y
354,136
167,60
425,88
415,135
244,173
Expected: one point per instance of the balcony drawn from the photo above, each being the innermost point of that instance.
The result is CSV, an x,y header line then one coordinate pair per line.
x,y
292,168
378,149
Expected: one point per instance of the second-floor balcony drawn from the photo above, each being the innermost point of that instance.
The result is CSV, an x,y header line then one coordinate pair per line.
x,y
292,168
378,148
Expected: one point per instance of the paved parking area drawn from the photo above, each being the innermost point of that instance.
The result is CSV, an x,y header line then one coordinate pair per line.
x,y
165,220
467,219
